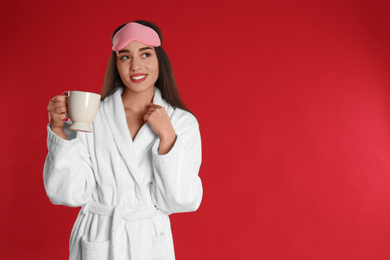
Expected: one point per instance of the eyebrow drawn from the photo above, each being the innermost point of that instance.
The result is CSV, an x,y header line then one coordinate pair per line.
x,y
146,48
141,49
123,51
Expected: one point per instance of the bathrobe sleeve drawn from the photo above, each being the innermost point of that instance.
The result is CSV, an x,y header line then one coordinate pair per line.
x,y
68,174
177,186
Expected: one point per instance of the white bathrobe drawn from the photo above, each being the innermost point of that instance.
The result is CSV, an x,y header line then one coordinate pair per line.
x,y
126,189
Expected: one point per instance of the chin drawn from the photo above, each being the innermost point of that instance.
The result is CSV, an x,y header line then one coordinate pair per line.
x,y
140,89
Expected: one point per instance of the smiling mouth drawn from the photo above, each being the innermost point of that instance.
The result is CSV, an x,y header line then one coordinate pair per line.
x,y
138,77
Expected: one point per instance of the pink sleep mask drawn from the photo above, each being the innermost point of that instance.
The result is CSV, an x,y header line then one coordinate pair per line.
x,y
135,32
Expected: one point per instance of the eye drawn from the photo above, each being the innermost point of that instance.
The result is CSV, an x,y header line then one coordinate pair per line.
x,y
146,55
125,57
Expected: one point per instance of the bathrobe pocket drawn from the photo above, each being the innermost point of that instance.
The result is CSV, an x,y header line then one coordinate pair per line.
x,y
154,247
95,250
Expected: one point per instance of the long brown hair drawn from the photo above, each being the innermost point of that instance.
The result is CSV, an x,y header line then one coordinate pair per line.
x,y
166,81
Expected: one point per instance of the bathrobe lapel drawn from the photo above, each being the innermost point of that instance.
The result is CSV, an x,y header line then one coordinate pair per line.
x,y
116,117
131,151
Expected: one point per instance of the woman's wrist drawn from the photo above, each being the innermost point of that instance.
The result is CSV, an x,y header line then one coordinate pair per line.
x,y
166,142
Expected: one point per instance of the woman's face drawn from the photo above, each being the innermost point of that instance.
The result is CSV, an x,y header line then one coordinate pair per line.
x,y
137,66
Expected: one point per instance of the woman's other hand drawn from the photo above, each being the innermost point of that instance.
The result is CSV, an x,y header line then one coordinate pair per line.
x,y
158,119
58,112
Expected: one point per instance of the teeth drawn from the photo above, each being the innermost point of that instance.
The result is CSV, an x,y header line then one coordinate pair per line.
x,y
139,77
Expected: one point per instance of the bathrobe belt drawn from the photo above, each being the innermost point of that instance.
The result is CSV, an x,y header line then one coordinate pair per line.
x,y
118,213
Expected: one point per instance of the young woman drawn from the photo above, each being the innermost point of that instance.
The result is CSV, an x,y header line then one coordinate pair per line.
x,y
139,165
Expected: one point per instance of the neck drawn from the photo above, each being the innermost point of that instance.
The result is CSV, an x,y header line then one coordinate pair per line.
x,y
137,101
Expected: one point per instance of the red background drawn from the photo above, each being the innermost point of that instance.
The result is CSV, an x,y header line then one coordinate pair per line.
x,y
292,97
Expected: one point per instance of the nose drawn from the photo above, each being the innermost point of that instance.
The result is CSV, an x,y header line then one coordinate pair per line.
x,y
135,64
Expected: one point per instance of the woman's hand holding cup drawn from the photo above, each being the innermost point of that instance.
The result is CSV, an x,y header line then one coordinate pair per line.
x,y
58,112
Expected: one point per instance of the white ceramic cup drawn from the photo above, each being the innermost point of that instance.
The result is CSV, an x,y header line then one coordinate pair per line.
x,y
82,109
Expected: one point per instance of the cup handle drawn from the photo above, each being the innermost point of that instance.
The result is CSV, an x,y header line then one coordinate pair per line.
x,y
66,95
